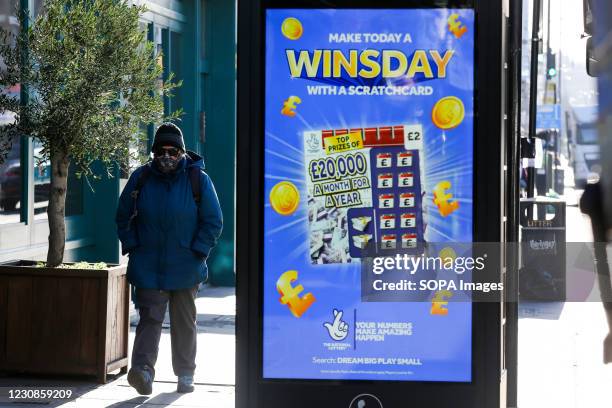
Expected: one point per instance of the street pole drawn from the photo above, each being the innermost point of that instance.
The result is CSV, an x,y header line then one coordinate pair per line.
x,y
533,94
513,199
548,49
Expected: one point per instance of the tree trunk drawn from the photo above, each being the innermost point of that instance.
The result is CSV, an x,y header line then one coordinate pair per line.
x,y
56,210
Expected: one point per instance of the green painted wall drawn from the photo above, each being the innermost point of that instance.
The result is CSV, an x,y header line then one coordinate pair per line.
x,y
219,101
97,224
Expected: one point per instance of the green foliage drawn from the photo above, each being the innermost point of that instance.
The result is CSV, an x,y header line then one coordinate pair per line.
x,y
92,81
77,265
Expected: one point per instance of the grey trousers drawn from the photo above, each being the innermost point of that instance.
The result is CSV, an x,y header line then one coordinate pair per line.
x,y
152,305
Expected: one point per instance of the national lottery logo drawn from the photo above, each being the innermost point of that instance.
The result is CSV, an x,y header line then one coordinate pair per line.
x,y
338,329
313,143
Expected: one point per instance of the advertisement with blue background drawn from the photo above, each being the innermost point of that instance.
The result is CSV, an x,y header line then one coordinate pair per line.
x,y
369,131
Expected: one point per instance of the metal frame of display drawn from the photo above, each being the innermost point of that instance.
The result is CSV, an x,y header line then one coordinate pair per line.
x,y
488,386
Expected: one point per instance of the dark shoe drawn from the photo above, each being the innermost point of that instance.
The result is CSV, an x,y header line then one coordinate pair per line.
x,y
185,384
141,380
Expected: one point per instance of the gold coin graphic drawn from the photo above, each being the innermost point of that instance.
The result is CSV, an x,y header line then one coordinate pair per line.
x,y
447,253
448,113
285,198
292,28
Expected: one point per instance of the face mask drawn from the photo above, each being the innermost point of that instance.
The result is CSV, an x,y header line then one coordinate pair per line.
x,y
167,163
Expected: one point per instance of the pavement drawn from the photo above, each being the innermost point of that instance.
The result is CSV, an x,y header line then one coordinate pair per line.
x,y
561,358
214,378
560,361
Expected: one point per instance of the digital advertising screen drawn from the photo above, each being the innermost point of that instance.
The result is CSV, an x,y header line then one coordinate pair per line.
x,y
369,144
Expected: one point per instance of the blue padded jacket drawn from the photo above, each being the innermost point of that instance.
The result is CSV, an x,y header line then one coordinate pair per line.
x,y
169,240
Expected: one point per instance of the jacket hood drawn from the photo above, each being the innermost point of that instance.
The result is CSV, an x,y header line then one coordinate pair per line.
x,y
194,160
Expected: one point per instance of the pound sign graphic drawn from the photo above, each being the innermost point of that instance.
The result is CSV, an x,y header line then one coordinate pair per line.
x,y
290,105
455,26
442,199
439,301
290,294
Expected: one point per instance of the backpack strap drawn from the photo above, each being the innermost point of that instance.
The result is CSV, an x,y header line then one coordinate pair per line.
x,y
194,177
140,182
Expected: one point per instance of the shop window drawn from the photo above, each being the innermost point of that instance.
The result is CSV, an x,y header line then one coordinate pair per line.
x,y
10,169
12,194
167,47
176,67
11,185
8,20
37,7
42,183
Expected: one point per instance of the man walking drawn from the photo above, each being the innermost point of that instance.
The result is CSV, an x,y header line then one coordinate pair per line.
x,y
168,220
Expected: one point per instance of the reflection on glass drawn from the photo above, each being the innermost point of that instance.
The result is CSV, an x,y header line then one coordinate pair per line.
x,y
588,135
176,102
10,185
8,21
10,170
37,7
42,182
139,150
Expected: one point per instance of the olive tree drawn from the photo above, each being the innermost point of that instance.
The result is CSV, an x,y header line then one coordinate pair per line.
x,y
90,82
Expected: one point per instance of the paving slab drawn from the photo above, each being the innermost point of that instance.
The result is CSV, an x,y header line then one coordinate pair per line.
x,y
214,378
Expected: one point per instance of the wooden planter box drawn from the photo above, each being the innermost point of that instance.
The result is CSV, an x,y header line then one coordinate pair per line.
x,y
63,321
